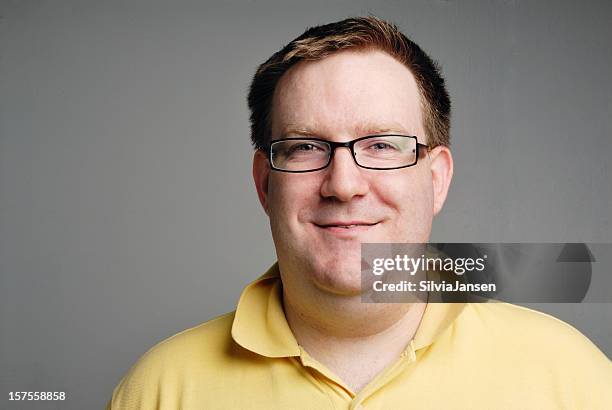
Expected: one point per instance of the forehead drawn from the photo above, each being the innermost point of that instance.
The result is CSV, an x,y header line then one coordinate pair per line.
x,y
346,95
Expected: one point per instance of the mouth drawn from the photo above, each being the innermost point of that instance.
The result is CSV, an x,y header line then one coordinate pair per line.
x,y
343,227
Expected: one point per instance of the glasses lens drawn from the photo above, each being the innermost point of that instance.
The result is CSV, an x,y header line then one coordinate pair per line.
x,y
386,151
299,154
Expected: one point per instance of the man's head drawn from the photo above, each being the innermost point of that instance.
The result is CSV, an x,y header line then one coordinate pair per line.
x,y
339,82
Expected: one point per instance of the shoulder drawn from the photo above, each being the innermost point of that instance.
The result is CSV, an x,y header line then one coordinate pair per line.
x,y
172,363
525,335
533,352
522,323
206,339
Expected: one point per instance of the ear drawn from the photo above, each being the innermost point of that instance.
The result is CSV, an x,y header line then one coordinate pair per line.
x,y
261,173
441,165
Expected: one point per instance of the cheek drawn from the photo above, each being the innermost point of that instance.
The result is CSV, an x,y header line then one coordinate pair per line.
x,y
291,195
411,198
407,191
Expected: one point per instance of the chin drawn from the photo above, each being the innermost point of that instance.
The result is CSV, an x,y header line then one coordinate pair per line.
x,y
341,277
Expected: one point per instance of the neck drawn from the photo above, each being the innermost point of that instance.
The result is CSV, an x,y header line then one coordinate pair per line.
x,y
354,340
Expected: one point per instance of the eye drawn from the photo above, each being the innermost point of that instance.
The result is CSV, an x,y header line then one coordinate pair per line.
x,y
382,146
305,148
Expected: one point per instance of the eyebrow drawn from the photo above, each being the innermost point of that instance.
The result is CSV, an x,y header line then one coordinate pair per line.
x,y
298,130
361,130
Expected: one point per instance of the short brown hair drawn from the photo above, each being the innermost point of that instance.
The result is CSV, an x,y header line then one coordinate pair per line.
x,y
360,32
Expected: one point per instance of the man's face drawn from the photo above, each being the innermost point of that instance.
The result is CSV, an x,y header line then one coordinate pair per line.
x,y
319,219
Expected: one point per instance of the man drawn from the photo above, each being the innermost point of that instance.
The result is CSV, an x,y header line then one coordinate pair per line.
x,y
351,127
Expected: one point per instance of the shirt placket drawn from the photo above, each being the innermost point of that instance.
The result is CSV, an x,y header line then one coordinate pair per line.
x,y
360,402
356,401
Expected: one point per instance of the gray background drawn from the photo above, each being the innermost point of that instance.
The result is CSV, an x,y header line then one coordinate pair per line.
x,y
127,211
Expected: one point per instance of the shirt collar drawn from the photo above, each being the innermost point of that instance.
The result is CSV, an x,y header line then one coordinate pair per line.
x,y
438,316
436,319
260,324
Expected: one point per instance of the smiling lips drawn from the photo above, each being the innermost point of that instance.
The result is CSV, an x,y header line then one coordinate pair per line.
x,y
346,226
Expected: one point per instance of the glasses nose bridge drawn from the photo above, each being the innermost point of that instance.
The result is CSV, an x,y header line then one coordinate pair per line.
x,y
348,144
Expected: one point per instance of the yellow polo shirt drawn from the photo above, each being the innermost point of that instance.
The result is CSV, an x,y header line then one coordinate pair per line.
x,y
463,356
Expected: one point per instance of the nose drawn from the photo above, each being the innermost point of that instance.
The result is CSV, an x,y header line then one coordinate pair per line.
x,y
344,179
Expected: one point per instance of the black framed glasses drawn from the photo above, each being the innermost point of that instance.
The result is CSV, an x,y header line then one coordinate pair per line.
x,y
379,152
